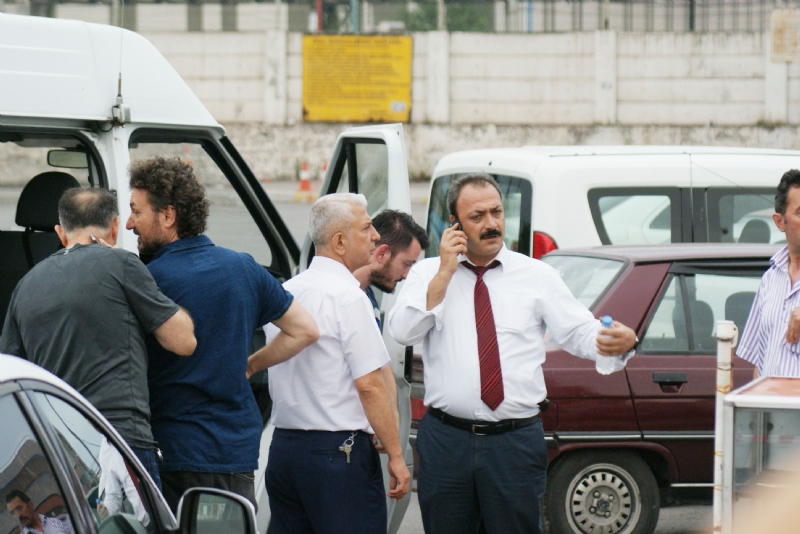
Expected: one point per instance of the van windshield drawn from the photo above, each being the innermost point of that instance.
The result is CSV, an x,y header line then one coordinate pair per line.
x,y
517,200
588,278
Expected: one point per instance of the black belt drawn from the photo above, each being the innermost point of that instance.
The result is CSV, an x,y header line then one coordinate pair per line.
x,y
482,428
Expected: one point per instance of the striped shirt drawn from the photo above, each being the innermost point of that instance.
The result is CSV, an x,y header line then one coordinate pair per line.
x,y
763,342
51,525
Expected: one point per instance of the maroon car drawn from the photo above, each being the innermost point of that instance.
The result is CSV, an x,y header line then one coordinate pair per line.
x,y
619,443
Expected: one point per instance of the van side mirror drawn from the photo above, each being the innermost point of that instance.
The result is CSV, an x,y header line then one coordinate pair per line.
x,y
210,511
68,159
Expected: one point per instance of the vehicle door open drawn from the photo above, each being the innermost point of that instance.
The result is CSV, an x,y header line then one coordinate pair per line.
x,y
371,160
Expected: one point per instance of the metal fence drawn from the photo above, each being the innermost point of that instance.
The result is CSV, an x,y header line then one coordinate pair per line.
x,y
648,15
535,16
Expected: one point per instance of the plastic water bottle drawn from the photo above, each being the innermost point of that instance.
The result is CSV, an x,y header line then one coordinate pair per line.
x,y
605,366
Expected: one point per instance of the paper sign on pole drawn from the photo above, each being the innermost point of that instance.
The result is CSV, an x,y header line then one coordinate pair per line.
x,y
785,35
357,78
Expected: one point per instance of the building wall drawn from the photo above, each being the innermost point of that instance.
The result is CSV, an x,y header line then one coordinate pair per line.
x,y
672,78
225,70
522,79
578,78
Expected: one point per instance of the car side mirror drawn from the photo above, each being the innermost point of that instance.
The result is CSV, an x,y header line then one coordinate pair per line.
x,y
211,511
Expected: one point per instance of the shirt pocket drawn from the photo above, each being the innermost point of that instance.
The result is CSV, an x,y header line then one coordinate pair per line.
x,y
513,315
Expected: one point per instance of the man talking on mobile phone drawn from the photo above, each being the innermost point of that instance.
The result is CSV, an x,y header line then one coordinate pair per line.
x,y
481,311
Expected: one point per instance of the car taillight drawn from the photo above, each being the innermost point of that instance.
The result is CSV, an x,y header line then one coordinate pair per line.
x,y
418,409
542,244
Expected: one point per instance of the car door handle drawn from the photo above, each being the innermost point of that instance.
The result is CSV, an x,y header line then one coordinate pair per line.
x,y
672,379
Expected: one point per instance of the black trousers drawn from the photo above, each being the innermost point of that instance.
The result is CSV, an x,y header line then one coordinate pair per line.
x,y
466,479
175,483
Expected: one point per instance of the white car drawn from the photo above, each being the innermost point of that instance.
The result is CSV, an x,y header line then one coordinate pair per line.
x,y
55,468
562,197
62,118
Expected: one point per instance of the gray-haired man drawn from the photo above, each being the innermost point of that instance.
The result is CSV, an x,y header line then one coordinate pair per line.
x,y
324,474
82,314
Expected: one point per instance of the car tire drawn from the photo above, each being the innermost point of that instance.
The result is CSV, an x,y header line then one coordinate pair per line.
x,y
610,491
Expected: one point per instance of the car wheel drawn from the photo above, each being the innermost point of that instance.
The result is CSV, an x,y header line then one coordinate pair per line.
x,y
607,492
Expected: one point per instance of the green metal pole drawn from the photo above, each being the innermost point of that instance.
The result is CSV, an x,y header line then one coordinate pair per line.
x,y
355,23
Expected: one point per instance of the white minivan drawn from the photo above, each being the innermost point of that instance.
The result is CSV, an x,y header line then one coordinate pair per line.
x,y
79,102
561,197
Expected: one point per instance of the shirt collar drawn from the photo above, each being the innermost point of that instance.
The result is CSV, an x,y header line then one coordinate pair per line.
x,y
181,244
502,257
43,519
780,260
327,265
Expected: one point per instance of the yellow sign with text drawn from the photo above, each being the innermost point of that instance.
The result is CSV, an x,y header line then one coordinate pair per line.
x,y
352,78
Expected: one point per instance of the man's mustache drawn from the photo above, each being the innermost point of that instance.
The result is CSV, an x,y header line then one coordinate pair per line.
x,y
493,232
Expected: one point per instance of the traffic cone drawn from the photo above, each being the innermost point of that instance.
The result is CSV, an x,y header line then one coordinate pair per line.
x,y
323,171
304,193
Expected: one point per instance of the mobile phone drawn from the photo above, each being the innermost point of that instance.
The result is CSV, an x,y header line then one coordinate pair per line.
x,y
91,234
457,222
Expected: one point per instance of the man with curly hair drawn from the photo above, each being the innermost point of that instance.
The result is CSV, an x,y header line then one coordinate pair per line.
x,y
204,414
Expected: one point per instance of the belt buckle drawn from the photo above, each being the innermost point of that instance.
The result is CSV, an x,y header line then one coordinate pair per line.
x,y
475,431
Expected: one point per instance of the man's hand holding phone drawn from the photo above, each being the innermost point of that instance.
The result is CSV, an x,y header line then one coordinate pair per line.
x,y
453,243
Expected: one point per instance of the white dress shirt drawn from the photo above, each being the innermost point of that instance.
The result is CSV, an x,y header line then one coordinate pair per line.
x,y
315,389
528,296
114,480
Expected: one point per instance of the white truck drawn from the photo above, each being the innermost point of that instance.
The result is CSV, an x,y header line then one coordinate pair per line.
x,y
80,101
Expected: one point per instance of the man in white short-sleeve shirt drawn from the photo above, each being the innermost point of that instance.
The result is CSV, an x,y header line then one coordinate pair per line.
x,y
324,474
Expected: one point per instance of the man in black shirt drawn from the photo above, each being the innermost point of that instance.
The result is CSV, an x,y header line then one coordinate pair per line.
x,y
82,314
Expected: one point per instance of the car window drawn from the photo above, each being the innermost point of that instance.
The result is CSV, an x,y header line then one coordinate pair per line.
x,y
686,315
636,216
587,278
23,156
517,198
667,329
230,224
31,495
370,161
742,216
109,484
27,228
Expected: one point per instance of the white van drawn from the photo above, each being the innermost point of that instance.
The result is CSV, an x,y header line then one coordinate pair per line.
x,y
64,120
561,197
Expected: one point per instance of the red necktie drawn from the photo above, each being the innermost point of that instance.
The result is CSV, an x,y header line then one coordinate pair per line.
x,y
488,351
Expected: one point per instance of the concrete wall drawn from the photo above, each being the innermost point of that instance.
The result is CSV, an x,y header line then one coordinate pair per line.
x,y
225,70
522,79
275,152
670,78
577,78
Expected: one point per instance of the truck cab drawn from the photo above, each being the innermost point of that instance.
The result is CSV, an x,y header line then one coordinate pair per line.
x,y
79,102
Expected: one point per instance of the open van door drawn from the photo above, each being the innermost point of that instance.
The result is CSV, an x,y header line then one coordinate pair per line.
x,y
371,160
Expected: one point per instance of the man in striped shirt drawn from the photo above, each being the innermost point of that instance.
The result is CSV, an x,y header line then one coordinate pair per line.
x,y
770,338
20,506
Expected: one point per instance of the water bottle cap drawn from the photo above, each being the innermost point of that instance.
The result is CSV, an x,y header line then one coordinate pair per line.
x,y
607,321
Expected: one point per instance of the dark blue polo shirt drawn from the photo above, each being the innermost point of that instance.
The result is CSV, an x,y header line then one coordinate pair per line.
x,y
204,414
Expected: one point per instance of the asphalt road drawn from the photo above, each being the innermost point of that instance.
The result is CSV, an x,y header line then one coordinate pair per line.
x,y
689,519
